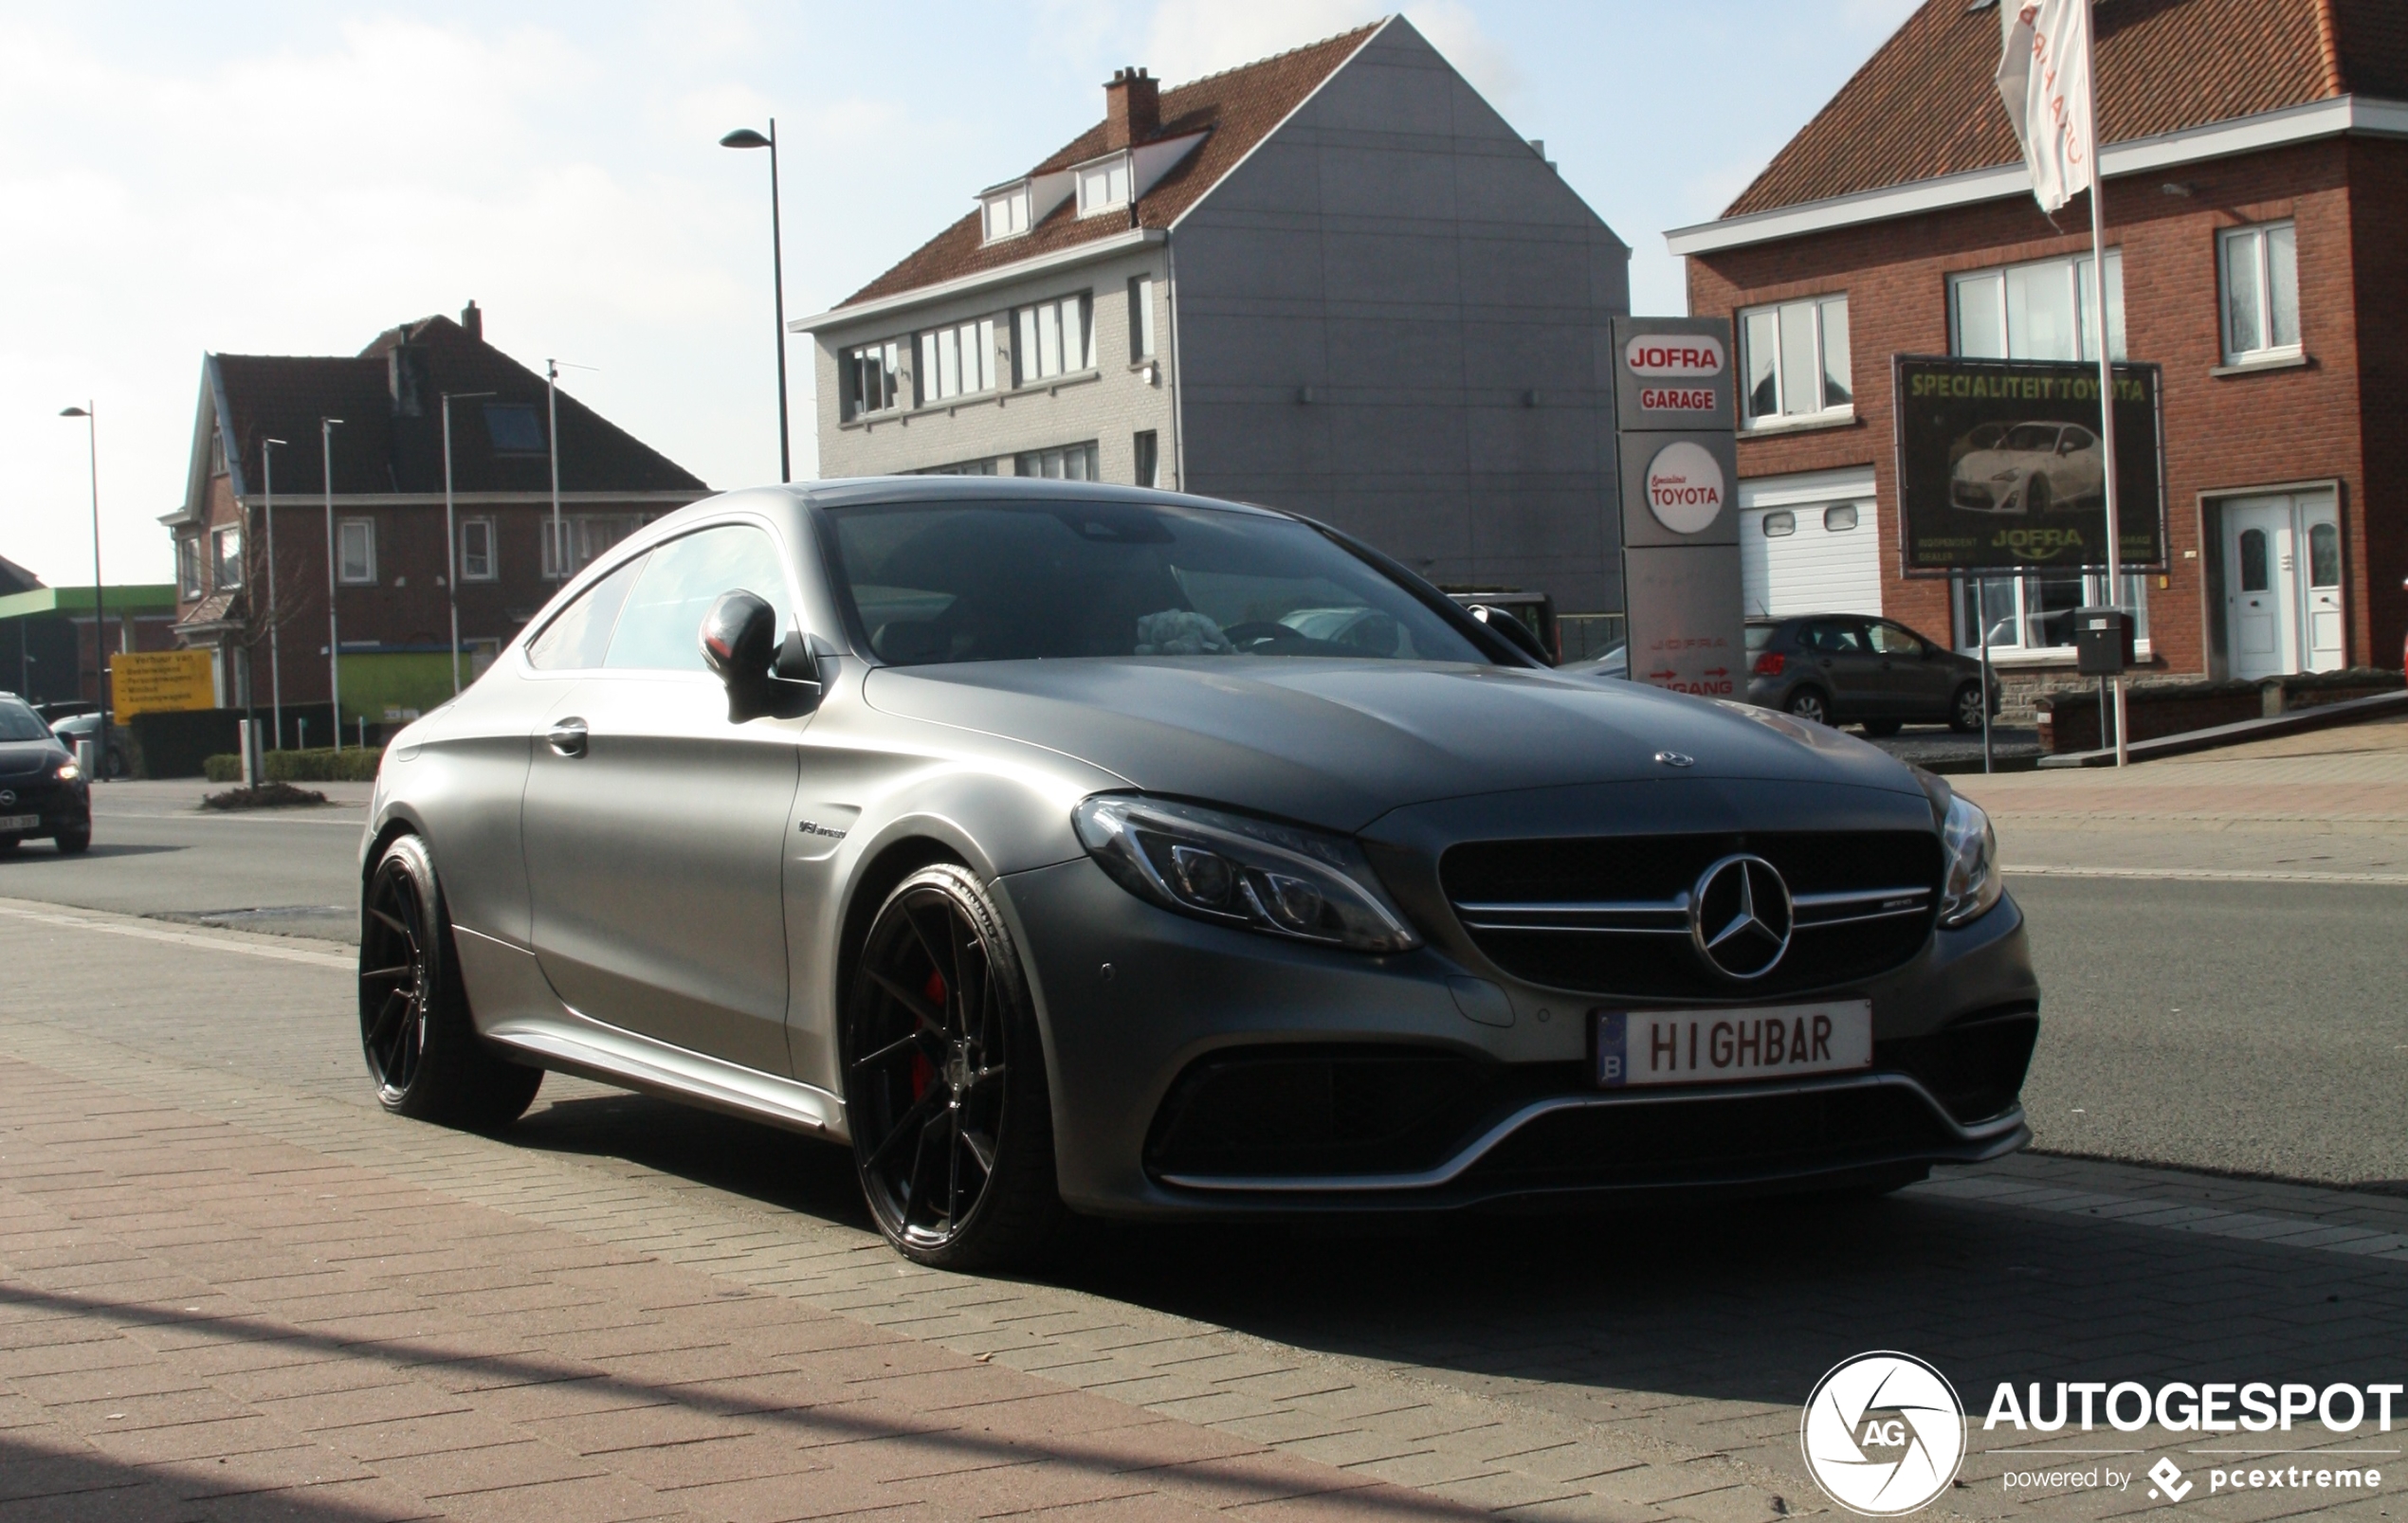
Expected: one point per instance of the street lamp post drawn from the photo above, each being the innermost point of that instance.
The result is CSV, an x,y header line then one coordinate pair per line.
x,y
99,589
452,531
746,137
333,633
275,666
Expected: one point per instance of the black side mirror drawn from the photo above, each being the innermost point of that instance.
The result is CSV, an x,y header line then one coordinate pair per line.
x,y
1516,633
765,677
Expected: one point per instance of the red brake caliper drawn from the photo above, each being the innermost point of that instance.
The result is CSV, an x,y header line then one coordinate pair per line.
x,y
923,1073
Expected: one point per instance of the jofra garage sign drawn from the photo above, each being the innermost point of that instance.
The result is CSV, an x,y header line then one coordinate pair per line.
x,y
2000,468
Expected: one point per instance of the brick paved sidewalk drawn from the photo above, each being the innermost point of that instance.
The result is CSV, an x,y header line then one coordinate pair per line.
x,y
200,1321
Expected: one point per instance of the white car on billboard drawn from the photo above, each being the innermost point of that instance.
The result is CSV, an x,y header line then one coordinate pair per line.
x,y
2027,468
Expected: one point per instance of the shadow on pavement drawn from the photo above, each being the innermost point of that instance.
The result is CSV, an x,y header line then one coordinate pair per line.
x,y
1742,1300
98,850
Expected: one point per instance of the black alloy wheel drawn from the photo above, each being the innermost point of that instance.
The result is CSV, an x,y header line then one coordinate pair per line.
x,y
945,1088
1965,710
1807,703
415,1027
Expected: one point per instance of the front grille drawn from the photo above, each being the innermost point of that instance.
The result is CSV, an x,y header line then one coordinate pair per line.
x,y
1608,916
1705,1140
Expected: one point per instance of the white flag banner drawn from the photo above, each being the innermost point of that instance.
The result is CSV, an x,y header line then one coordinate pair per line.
x,y
2044,78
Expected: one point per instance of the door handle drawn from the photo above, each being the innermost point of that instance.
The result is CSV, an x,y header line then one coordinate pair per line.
x,y
568,738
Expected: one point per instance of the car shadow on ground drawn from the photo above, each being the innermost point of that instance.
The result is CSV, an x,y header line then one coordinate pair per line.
x,y
1744,1300
43,851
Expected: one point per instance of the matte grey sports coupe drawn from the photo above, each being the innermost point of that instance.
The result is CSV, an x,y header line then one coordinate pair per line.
x,y
1063,846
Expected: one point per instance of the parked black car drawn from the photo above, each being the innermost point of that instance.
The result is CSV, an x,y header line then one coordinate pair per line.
x,y
1845,668
42,791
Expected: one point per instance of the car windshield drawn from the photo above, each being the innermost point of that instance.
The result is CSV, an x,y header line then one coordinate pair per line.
x,y
941,582
2033,436
17,723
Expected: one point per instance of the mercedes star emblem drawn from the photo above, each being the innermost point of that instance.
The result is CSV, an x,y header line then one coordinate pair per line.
x,y
1740,917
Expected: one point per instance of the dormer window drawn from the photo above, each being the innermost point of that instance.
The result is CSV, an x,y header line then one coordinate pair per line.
x,y
1103,185
1007,211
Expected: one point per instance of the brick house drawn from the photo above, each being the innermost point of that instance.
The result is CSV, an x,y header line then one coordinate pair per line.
x,y
388,511
1334,280
2257,153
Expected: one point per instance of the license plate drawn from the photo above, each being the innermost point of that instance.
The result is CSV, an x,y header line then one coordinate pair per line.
x,y
19,822
1641,1047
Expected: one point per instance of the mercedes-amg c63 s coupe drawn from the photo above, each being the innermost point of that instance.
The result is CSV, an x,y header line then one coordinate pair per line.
x,y
1064,847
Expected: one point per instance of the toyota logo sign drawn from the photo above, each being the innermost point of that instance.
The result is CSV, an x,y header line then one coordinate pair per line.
x,y
1740,918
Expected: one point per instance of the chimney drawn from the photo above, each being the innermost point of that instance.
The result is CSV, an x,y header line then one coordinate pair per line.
x,y
1132,108
473,320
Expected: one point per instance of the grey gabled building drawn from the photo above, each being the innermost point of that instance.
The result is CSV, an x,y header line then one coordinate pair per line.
x,y
1335,282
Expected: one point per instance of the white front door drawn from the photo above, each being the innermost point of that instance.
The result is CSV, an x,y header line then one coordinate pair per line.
x,y
2282,585
2319,535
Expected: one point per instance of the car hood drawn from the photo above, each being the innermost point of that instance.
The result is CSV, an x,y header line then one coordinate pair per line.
x,y
26,758
1989,462
1339,742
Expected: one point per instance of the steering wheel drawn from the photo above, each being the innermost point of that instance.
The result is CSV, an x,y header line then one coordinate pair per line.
x,y
1260,631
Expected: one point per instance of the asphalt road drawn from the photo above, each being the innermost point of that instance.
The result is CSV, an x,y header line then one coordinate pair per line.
x,y
2242,1028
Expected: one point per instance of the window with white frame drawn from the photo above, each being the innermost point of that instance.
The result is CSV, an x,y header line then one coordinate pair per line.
x,y
872,377
1147,447
226,558
1103,185
1071,463
217,451
355,552
1140,317
2044,310
2035,612
1006,212
1055,339
478,561
2039,311
188,569
1795,357
584,536
2260,278
957,361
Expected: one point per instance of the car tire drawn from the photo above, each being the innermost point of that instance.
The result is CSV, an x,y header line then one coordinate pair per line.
x,y
73,842
1882,728
9,846
1808,703
1965,709
415,1030
944,1081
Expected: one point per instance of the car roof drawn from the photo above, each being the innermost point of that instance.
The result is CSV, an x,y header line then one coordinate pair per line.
x,y
863,490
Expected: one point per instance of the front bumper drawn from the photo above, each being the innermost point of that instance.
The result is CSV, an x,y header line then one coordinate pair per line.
x,y
61,807
1139,1006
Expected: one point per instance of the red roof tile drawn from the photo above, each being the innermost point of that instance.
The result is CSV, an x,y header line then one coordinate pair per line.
x,y
1238,106
1924,104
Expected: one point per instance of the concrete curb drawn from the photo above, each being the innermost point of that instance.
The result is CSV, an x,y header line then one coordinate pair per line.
x,y
2299,721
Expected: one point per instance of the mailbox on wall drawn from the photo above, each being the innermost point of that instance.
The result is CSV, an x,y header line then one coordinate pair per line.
x,y
2102,643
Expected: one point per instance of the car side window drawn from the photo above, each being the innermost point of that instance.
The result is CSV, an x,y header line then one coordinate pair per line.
x,y
1834,639
579,634
661,629
1891,640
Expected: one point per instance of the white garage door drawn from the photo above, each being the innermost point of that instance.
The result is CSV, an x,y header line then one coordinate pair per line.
x,y
1808,544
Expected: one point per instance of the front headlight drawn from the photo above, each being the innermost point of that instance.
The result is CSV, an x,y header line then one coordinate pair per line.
x,y
68,771
1241,872
1974,886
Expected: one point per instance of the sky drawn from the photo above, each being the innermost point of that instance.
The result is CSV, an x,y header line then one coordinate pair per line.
x,y
294,179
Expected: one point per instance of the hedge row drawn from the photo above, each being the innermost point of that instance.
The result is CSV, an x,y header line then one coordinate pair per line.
x,y
350,765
